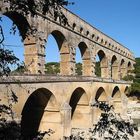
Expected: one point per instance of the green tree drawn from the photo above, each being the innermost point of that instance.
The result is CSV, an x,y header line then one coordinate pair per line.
x,y
52,68
78,68
97,69
109,127
135,87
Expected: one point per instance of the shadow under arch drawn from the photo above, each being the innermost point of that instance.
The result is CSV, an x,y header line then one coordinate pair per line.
x,y
122,69
103,64
129,67
20,21
101,95
80,107
117,100
86,58
114,68
40,100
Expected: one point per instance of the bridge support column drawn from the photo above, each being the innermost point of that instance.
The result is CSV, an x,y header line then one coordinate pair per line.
x,y
124,105
34,56
115,72
67,64
66,120
123,72
105,72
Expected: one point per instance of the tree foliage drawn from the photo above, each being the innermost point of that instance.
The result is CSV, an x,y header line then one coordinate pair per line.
x,y
109,127
135,87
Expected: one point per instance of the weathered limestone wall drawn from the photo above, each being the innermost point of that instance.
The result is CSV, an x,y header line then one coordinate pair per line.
x,y
115,59
62,98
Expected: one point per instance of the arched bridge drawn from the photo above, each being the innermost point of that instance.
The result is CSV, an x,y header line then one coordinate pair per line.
x,y
64,101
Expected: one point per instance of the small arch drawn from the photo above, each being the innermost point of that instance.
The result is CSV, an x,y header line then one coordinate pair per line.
x,y
73,26
87,33
97,38
106,42
81,29
102,41
39,107
93,35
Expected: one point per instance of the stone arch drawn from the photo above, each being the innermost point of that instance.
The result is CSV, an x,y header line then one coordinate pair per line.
x,y
129,67
22,23
114,68
101,95
86,59
103,63
122,69
80,108
116,96
126,90
64,51
40,113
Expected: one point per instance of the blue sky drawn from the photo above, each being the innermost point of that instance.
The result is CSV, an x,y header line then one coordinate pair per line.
x,y
120,19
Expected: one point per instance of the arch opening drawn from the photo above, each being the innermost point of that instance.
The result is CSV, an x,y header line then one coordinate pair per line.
x,y
40,113
114,68
86,61
101,95
129,68
80,108
13,41
101,67
122,69
116,96
57,45
22,23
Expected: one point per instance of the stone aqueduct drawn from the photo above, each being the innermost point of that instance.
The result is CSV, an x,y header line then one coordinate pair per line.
x,y
64,101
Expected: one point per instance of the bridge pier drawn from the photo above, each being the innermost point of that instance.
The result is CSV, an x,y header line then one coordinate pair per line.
x,y
34,57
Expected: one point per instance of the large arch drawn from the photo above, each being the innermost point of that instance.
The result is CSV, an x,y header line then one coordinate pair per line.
x,y
64,52
80,108
117,102
103,64
129,67
86,59
40,113
100,96
114,68
122,69
21,23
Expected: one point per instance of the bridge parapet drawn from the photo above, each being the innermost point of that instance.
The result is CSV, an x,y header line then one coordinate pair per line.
x,y
54,78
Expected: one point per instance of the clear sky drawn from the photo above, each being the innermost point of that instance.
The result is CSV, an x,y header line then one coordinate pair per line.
x,y
120,19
